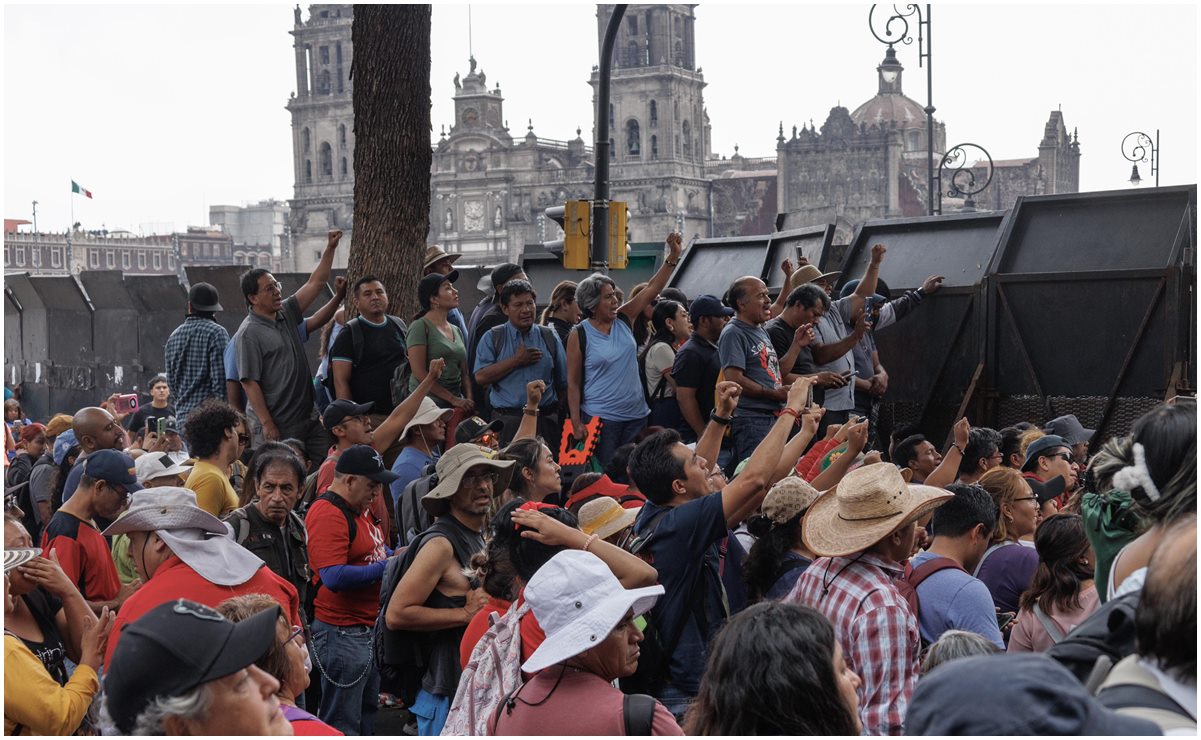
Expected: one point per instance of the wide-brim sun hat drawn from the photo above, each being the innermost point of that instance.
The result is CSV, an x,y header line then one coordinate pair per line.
x,y
166,508
427,413
451,468
578,601
865,507
15,557
605,517
810,273
436,254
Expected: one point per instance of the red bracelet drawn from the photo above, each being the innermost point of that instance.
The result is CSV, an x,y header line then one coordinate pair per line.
x,y
796,417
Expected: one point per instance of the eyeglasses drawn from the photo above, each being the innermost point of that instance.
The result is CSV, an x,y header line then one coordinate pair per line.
x,y
297,631
1026,498
272,287
475,478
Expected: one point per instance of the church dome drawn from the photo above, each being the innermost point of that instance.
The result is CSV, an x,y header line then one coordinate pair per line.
x,y
907,113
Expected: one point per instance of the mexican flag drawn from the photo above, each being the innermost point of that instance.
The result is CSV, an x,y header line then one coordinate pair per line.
x,y
76,189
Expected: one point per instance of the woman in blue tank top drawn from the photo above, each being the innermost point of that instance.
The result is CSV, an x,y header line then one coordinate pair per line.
x,y
603,381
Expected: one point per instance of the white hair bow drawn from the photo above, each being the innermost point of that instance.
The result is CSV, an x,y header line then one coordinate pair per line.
x,y
1137,475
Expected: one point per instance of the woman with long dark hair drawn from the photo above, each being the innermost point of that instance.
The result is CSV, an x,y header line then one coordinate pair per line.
x,y
1062,593
778,556
563,313
776,669
536,474
671,328
432,336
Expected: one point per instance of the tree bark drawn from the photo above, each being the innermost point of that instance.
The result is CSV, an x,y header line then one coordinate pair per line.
x,y
392,154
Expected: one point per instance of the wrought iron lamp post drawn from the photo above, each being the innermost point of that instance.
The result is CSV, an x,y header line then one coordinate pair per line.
x,y
1138,147
964,180
901,34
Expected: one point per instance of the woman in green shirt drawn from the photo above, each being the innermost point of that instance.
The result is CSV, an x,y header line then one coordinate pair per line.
x,y
432,336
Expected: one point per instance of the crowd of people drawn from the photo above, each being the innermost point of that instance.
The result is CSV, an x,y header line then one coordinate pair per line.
x,y
637,512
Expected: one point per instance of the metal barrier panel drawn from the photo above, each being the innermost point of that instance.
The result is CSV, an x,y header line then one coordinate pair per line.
x,y
162,304
711,265
14,353
114,332
811,242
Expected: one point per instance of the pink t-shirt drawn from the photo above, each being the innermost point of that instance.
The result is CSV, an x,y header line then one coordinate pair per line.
x,y
581,704
1029,635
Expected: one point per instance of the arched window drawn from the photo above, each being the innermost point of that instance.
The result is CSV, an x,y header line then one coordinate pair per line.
x,y
654,114
308,141
654,147
633,139
687,129
327,160
343,166
913,141
308,170
341,134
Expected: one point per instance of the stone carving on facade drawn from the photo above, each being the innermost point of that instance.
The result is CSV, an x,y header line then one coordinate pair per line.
x,y
498,219
449,223
473,216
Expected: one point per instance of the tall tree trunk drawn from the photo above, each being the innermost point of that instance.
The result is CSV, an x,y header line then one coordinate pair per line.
x,y
392,155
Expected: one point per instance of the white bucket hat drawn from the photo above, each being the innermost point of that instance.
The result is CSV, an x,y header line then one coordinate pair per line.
x,y
427,413
578,601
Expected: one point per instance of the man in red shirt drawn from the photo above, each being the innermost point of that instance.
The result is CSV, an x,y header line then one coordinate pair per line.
x,y
105,485
177,556
347,554
349,423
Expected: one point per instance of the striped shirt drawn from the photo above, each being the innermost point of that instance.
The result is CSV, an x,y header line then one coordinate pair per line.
x,y
876,628
195,363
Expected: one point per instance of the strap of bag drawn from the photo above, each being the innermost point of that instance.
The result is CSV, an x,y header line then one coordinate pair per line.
x,y
1134,696
929,568
638,713
991,549
1045,620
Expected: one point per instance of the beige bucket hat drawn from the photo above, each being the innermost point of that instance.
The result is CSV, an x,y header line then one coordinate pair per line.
x,y
866,506
809,273
427,413
787,498
451,468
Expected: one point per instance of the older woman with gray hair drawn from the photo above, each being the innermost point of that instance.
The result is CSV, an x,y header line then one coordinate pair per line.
x,y
602,358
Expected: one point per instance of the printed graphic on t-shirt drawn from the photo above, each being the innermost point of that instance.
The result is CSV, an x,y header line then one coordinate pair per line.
x,y
768,360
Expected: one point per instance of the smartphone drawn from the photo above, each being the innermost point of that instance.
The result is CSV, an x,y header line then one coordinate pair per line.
x,y
161,425
809,398
1004,618
127,403
847,375
149,422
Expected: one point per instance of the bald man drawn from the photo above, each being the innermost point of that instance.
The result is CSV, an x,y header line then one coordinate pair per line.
x,y
95,429
749,359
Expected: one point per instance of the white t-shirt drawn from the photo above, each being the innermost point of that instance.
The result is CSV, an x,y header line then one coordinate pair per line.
x,y
659,359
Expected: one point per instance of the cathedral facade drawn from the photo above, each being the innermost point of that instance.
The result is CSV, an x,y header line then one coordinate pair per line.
x,y
490,188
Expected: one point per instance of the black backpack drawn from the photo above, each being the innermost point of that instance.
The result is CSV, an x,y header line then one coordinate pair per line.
x,y
1100,641
400,376
411,517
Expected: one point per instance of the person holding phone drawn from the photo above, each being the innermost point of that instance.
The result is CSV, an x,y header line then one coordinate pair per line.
x,y
147,416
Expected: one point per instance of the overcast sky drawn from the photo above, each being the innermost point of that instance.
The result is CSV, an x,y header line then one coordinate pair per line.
x,y
164,110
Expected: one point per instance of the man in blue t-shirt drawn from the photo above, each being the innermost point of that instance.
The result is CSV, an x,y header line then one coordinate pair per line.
x,y
422,438
748,358
684,520
950,598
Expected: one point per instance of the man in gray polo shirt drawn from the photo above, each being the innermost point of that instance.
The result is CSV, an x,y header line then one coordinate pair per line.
x,y
272,365
833,348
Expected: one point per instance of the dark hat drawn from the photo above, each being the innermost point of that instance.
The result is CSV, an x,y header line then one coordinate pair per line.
x,y
429,285
175,647
503,273
112,466
881,295
707,305
365,461
471,429
1011,694
1070,428
171,426
1039,447
339,410
203,297
1047,490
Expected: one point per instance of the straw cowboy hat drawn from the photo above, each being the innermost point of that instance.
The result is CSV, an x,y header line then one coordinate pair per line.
x,y
866,506
434,254
451,468
578,601
605,517
809,273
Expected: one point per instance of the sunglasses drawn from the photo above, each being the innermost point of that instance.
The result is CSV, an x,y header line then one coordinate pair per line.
x,y
1064,455
488,439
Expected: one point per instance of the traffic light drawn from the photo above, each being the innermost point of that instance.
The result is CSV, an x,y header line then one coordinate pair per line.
x,y
574,218
619,235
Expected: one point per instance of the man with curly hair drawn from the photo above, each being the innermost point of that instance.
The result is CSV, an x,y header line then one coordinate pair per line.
x,y
212,434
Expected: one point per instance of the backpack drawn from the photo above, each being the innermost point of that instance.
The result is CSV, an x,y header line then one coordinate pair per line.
x,y
658,645
1100,641
637,713
492,674
412,519
907,584
400,376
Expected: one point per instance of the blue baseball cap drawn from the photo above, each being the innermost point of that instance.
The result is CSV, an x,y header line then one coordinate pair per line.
x,y
881,295
112,467
707,305
62,443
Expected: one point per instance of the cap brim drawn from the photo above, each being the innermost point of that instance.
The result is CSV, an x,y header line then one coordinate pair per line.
x,y
452,276
591,628
211,307
427,418
17,556
383,476
827,535
828,276
452,257
250,640
154,518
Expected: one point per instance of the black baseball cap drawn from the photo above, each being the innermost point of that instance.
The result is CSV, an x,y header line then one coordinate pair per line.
x,y
365,461
707,305
203,297
470,429
339,410
503,273
175,647
429,285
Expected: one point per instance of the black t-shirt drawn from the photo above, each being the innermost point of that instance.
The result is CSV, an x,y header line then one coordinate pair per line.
x,y
137,420
51,650
371,377
781,335
697,366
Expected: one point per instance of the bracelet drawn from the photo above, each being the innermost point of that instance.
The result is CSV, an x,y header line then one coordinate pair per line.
x,y
957,447
530,412
796,416
669,263
588,542
725,421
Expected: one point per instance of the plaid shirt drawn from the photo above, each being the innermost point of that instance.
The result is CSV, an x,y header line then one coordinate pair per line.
x,y
876,628
194,355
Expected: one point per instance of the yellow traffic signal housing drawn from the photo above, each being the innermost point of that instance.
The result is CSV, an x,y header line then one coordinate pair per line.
x,y
619,235
574,218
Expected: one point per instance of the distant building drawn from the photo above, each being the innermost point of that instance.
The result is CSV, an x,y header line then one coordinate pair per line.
x,y
259,231
55,254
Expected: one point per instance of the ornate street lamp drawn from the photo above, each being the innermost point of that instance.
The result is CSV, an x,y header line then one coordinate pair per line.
x,y
896,30
1138,147
964,180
